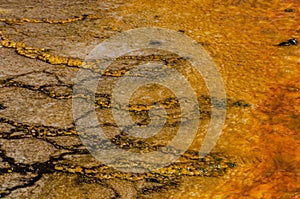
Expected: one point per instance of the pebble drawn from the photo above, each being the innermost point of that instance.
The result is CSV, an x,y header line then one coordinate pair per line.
x,y
289,42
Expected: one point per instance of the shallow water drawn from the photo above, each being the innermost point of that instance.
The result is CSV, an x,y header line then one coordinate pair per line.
x,y
262,82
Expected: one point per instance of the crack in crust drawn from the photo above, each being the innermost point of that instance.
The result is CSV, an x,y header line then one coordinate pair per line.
x,y
50,21
213,165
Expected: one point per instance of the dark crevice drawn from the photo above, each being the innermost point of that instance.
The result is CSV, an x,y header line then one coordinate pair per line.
x,y
2,107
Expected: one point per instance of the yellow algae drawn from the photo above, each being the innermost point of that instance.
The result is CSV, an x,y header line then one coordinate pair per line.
x,y
242,37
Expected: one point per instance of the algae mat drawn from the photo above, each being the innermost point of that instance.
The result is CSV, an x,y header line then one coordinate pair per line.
x,y
254,46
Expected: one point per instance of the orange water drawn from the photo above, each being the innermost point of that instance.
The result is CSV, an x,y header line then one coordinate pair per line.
x,y
241,36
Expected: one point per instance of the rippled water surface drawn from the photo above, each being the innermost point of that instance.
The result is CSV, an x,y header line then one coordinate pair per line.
x,y
260,141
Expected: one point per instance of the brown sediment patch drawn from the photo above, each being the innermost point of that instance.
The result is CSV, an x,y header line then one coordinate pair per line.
x,y
280,143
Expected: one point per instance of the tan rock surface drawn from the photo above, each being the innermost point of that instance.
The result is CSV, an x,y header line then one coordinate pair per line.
x,y
42,46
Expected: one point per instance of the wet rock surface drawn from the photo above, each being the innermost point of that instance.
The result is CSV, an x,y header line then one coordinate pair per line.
x,y
28,150
43,45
